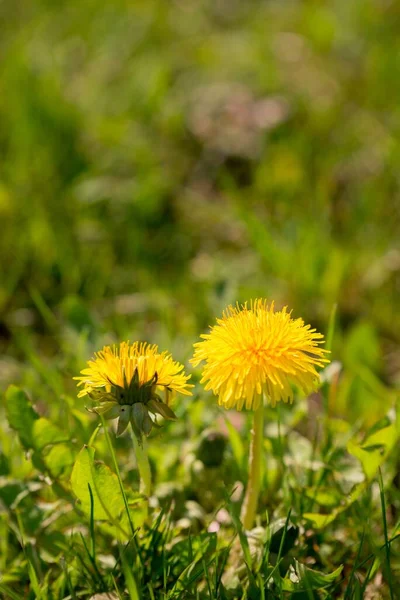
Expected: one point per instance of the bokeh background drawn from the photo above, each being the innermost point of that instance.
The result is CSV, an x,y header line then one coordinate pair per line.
x,y
160,160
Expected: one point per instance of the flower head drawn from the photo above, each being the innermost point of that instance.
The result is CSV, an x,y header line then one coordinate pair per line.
x,y
125,381
255,351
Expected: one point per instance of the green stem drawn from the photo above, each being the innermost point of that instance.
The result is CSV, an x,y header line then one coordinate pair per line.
x,y
250,502
143,464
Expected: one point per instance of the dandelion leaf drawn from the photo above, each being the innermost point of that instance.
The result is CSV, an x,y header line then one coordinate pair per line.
x,y
21,416
46,433
59,460
34,432
107,498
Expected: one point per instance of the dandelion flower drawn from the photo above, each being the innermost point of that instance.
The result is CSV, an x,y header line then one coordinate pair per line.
x,y
125,381
256,351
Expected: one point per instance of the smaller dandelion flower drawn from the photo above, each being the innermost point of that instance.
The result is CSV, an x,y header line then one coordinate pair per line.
x,y
256,351
125,381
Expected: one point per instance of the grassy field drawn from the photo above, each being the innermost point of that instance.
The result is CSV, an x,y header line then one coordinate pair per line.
x,y
158,162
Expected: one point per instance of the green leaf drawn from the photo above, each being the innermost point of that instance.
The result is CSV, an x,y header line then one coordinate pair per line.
x,y
378,444
46,433
21,416
107,497
324,496
59,460
319,521
159,407
10,490
303,579
33,431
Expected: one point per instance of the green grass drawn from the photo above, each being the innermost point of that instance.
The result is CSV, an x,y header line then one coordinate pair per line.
x,y
160,160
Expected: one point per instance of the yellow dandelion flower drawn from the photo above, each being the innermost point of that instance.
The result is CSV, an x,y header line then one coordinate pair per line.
x,y
255,351
126,380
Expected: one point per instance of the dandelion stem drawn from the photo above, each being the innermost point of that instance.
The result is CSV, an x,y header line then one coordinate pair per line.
x,y
143,464
250,502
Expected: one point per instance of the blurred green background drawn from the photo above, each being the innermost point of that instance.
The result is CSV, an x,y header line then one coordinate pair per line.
x,y
160,160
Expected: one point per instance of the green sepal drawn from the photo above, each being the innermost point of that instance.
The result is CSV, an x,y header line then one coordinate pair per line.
x,y
141,418
136,430
124,417
156,405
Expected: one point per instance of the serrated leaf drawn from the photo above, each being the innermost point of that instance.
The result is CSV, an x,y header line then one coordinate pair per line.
x,y
107,497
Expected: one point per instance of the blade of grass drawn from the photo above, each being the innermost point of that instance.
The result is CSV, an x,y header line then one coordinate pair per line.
x,y
325,387
129,578
92,561
353,570
116,588
220,568
367,578
151,591
278,560
331,328
240,532
9,593
31,569
207,578
92,523
366,560
43,309
385,531
68,579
